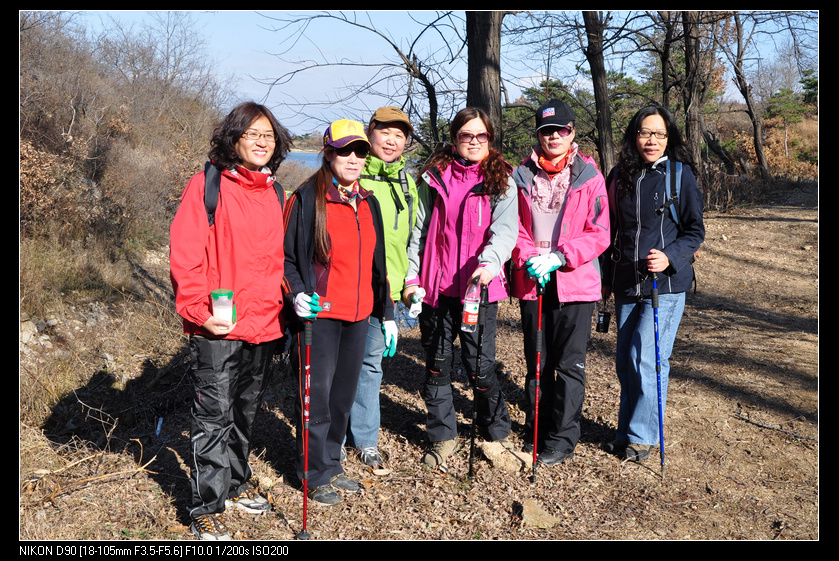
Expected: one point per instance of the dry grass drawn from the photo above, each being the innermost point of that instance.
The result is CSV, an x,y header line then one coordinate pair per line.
x,y
741,430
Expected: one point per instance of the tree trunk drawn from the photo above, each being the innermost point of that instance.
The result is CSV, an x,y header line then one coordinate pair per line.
x,y
595,24
691,92
746,91
483,36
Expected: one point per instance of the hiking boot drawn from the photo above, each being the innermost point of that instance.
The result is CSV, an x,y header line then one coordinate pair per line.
x,y
344,483
552,456
371,457
615,447
527,446
439,452
210,527
637,452
250,501
325,495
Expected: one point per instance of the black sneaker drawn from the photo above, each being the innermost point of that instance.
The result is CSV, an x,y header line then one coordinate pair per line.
x,y
325,495
210,527
344,483
250,501
615,447
637,452
551,456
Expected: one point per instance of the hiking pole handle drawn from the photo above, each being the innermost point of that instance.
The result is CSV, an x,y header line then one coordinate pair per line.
x,y
654,292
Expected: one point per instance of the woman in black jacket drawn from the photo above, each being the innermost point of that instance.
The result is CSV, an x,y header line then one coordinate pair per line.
x,y
335,279
653,233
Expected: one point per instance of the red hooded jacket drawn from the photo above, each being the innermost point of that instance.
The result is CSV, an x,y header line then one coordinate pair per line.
x,y
242,251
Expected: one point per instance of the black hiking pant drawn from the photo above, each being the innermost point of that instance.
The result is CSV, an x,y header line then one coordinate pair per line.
x,y
439,327
228,379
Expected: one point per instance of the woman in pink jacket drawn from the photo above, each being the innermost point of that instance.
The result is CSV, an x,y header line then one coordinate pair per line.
x,y
465,231
563,229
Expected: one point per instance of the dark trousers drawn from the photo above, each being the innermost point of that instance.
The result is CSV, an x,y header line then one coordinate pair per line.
x,y
438,328
336,355
566,329
228,383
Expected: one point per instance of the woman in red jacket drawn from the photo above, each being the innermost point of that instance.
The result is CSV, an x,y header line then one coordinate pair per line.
x,y
336,278
241,251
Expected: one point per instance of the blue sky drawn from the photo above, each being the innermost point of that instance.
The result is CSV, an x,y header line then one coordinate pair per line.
x,y
245,47
242,43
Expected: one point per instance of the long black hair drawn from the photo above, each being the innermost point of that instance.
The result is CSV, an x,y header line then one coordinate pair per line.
x,y
233,126
629,159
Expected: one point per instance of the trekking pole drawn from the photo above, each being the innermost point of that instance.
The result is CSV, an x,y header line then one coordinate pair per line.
x,y
307,343
658,373
540,290
481,323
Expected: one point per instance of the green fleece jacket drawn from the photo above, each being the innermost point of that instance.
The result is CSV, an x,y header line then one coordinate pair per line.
x,y
398,214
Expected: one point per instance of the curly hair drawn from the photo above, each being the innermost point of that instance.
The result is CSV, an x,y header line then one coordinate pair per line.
x,y
228,132
629,159
495,169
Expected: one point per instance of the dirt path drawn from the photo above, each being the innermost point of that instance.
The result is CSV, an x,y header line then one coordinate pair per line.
x,y
741,432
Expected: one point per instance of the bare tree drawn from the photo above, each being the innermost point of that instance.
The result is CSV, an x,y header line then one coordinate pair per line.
x,y
408,66
737,41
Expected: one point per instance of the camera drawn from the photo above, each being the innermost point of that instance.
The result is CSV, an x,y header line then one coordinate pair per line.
x,y
603,319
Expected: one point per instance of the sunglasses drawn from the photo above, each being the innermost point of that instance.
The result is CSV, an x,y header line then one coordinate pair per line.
x,y
563,131
361,150
467,137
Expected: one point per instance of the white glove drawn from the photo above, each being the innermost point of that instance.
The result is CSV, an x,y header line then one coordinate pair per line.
x,y
390,331
543,265
305,306
416,302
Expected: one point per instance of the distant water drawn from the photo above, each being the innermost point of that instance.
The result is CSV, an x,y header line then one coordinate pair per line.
x,y
311,159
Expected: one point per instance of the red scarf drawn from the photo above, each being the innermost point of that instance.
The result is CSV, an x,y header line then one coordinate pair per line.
x,y
550,168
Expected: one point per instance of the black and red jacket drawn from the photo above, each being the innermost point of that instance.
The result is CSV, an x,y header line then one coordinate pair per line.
x,y
353,285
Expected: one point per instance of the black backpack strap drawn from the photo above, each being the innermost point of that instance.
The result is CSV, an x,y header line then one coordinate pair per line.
x,y
280,194
674,190
212,186
403,181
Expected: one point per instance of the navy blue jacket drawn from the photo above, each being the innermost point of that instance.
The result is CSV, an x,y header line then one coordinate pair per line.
x,y
640,223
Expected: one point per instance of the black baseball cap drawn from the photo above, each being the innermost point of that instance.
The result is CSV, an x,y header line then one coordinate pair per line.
x,y
554,113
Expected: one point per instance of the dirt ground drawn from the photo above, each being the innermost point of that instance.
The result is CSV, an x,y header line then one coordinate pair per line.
x,y
741,430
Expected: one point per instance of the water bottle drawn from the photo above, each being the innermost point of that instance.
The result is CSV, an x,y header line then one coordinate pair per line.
x,y
416,302
471,307
223,306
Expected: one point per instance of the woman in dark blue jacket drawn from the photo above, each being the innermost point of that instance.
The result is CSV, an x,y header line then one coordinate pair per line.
x,y
647,239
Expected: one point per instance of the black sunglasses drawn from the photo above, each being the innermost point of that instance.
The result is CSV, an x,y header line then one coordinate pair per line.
x,y
361,150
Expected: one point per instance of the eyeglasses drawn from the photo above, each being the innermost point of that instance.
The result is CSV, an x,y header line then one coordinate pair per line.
x,y
467,137
254,136
361,150
563,131
644,133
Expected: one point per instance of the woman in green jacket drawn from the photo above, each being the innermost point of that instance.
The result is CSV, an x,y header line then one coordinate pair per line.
x,y
384,174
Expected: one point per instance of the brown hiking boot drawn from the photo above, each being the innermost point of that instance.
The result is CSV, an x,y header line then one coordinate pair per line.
x,y
439,452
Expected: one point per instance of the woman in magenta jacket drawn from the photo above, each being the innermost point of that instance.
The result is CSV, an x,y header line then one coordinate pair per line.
x,y
563,229
466,229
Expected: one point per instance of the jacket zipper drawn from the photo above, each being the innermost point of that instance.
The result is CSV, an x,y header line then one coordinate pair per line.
x,y
638,293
